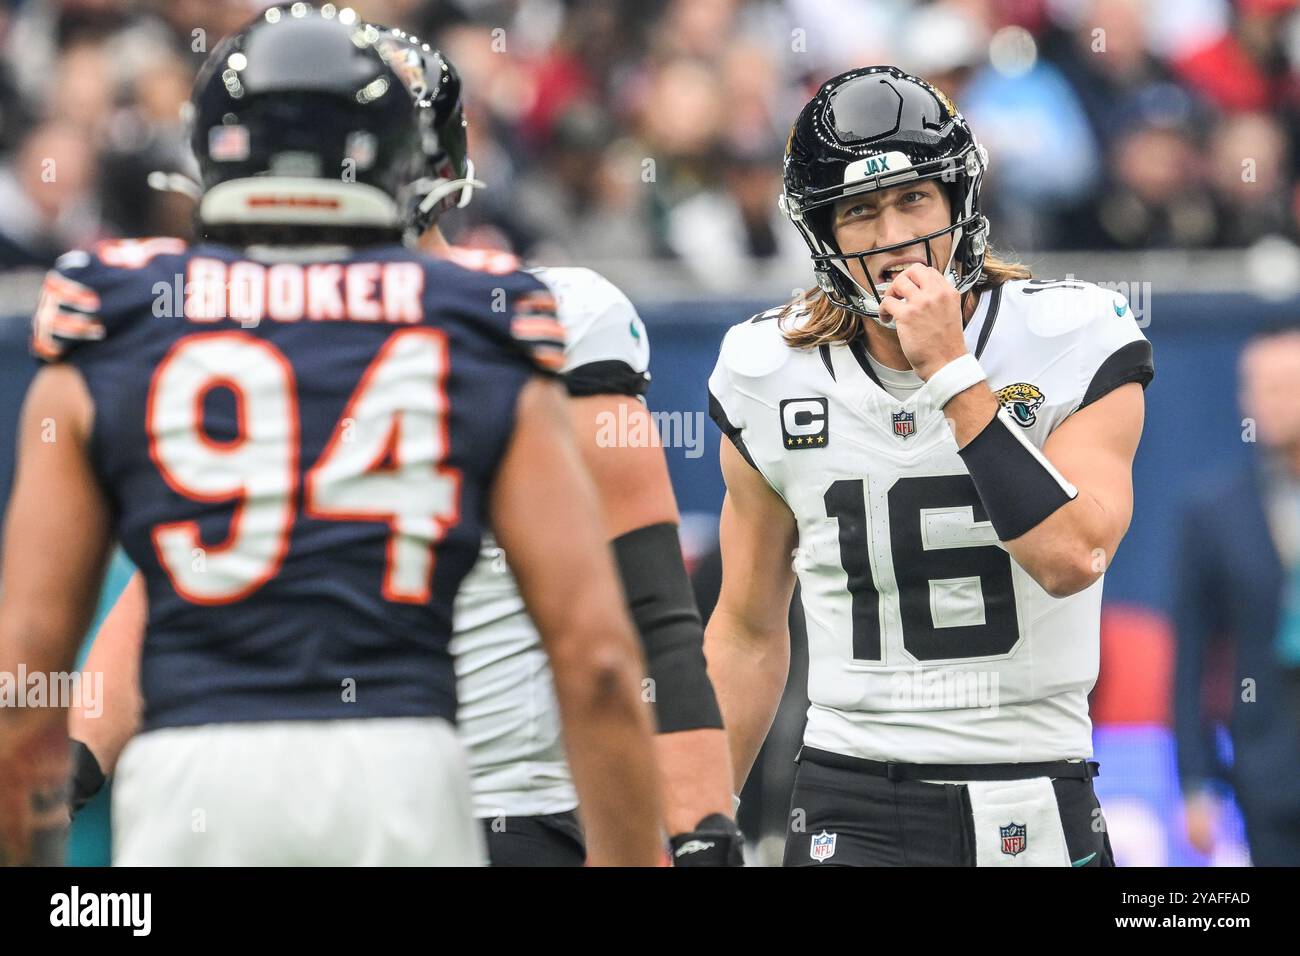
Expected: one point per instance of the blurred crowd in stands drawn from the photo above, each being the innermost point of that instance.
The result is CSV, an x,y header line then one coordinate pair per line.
x,y
654,128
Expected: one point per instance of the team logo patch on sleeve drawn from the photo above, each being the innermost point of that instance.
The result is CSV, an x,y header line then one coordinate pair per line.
x,y
945,100
1014,838
805,422
823,846
1022,400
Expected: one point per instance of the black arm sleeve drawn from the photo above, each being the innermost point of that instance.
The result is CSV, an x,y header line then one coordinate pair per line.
x,y
663,607
1015,481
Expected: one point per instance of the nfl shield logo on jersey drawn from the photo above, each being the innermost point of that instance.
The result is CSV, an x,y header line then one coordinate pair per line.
x,y
1014,838
904,424
823,847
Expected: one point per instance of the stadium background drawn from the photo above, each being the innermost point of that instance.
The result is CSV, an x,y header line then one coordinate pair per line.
x,y
1147,144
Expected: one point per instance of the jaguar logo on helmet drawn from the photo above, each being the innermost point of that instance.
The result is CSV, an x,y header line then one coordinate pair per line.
x,y
1022,400
446,179
873,128
404,60
946,101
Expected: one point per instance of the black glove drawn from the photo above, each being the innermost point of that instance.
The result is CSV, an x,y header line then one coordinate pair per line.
x,y
715,841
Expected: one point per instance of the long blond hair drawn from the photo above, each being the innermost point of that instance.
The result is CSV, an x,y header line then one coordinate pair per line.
x,y
829,324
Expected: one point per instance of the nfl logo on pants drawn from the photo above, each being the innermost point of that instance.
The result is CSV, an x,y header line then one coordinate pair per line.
x,y
823,847
1013,838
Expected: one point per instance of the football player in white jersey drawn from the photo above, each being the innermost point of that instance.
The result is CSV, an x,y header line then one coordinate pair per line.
x,y
944,445
508,715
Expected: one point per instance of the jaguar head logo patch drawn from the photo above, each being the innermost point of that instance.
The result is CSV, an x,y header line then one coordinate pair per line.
x,y
1022,400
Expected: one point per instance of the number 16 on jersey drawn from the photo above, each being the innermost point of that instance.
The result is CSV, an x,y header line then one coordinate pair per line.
x,y
926,542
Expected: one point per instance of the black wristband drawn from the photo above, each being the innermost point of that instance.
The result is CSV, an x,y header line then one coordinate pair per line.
x,y
87,777
663,607
1018,486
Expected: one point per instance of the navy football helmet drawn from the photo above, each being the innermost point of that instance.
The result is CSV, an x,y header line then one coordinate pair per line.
x,y
875,128
304,118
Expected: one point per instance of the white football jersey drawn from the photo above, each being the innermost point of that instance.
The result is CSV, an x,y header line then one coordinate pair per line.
x,y
927,642
508,717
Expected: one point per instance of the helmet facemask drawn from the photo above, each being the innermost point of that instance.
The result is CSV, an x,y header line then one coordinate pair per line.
x,y
961,177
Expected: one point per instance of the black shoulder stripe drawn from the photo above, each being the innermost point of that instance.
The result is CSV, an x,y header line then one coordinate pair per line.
x,y
824,351
1129,363
731,431
995,300
608,377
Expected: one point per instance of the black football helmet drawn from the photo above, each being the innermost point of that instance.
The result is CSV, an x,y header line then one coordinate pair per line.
x,y
303,118
446,180
875,128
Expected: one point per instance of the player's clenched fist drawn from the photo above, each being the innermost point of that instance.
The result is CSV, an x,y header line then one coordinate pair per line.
x,y
927,310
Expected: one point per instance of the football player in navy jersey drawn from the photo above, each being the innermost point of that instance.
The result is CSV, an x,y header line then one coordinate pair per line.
x,y
301,460
523,790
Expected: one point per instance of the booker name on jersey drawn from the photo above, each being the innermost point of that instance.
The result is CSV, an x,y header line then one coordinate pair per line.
x,y
927,642
297,451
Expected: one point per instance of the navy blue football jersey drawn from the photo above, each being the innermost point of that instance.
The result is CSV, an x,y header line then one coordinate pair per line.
x,y
297,454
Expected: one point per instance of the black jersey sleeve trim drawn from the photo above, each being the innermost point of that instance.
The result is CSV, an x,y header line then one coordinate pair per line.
x,y
608,377
1129,363
731,431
